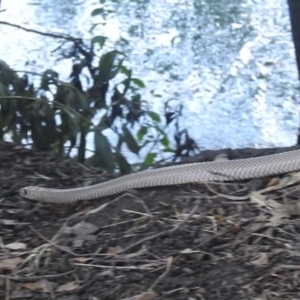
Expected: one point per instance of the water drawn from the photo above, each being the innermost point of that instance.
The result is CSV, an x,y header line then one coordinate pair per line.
x,y
230,63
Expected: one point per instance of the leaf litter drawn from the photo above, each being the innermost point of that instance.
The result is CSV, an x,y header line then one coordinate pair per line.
x,y
204,241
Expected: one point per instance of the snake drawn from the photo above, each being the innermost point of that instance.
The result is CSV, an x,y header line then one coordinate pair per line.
x,y
199,172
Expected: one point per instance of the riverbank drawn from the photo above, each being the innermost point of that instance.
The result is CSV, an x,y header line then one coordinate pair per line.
x,y
220,241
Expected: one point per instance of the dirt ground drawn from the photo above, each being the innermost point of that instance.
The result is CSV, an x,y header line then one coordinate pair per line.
x,y
207,242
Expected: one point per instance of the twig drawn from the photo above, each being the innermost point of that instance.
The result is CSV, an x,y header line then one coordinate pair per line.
x,y
35,278
7,289
219,234
51,242
170,259
163,233
53,35
144,296
230,197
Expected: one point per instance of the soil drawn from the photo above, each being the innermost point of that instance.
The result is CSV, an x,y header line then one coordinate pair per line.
x,y
217,241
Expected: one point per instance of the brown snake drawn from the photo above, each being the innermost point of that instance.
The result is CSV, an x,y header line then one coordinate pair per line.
x,y
228,170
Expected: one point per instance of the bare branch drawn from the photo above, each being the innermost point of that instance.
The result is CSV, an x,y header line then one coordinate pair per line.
x,y
53,35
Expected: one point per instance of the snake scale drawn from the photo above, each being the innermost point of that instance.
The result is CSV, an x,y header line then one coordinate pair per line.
x,y
226,170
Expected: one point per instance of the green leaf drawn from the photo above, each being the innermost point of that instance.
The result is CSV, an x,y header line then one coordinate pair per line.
x,y
99,39
130,141
138,82
125,70
154,116
97,11
49,77
4,91
70,99
7,75
126,82
165,142
150,159
116,70
81,100
16,137
157,128
107,60
169,150
103,154
103,123
106,65
142,132
124,166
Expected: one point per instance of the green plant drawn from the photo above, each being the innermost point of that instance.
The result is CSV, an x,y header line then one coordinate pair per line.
x,y
102,95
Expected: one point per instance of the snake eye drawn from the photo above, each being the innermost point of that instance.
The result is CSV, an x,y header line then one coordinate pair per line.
x,y
23,192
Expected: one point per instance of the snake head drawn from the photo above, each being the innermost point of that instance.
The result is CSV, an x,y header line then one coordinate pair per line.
x,y
23,192
29,192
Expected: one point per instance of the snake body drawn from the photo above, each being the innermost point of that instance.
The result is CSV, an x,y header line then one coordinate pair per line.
x,y
228,170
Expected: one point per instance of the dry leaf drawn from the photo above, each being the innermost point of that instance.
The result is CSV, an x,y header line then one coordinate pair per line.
x,y
82,259
261,261
189,251
8,222
67,287
293,208
287,180
258,223
258,199
113,250
16,246
84,228
277,219
41,286
246,286
10,264
274,181
279,211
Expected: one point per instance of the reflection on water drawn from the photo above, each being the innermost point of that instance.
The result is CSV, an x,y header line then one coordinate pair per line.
x,y
230,62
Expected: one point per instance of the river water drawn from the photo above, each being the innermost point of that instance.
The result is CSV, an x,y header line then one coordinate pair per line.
x,y
231,62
